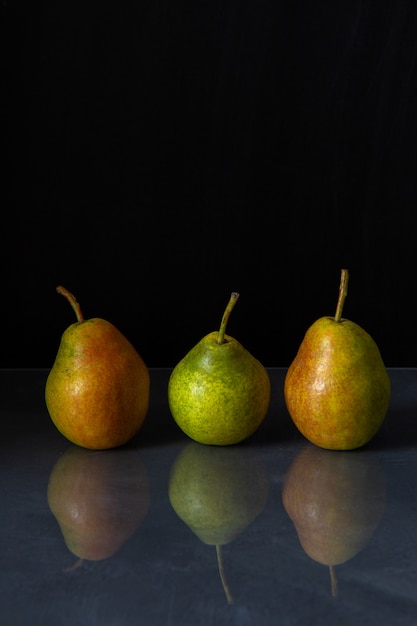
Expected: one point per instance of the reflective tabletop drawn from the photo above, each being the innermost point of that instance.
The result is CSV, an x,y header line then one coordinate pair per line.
x,y
167,532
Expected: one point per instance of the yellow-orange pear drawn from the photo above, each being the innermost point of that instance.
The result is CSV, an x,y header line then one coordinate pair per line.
x,y
97,392
99,499
337,389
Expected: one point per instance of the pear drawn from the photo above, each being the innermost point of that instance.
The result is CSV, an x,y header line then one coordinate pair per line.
x,y
337,389
219,393
99,499
336,500
97,392
218,492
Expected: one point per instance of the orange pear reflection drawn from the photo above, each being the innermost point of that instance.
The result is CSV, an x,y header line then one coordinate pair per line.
x,y
336,500
218,492
99,499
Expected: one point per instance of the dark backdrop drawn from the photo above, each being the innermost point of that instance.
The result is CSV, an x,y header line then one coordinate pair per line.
x,y
161,154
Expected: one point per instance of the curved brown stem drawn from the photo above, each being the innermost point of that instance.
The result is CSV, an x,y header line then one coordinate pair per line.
x,y
342,295
233,299
73,302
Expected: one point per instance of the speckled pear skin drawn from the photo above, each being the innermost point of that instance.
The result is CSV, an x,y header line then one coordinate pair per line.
x,y
219,394
97,392
337,389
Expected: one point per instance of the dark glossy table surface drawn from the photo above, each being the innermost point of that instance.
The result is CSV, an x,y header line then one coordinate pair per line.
x,y
159,572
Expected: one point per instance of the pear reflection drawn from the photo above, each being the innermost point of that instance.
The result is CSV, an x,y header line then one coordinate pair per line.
x,y
99,499
218,492
335,500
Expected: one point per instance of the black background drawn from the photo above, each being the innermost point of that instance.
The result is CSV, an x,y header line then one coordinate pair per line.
x,y
161,154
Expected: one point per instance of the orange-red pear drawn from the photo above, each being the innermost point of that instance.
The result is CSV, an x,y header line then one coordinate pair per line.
x,y
337,389
97,392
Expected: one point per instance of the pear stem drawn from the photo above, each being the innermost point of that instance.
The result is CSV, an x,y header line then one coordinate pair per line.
x,y
73,302
344,278
75,565
233,299
333,580
223,575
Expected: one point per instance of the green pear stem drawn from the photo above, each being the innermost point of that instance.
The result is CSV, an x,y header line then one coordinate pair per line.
x,y
344,278
233,299
333,580
222,574
73,302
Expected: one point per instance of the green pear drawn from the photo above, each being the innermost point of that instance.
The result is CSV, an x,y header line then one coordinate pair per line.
x,y
337,389
99,499
336,500
219,393
218,492
97,392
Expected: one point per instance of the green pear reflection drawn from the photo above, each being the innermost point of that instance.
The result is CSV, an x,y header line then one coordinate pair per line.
x,y
218,492
336,500
99,499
